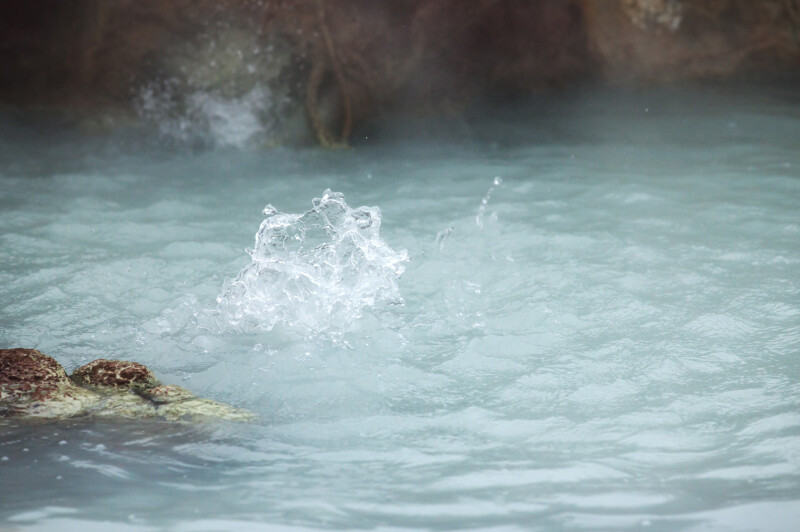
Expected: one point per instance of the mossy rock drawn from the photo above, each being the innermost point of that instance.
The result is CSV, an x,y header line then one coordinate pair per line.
x,y
114,375
35,386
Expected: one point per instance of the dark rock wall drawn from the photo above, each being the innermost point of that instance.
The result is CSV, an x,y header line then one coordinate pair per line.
x,y
669,40
331,64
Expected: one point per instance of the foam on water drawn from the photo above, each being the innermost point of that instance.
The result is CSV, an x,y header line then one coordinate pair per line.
x,y
314,271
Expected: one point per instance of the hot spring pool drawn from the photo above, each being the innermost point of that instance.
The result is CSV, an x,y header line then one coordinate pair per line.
x,y
599,326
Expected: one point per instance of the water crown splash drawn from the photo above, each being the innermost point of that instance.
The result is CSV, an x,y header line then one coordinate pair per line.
x,y
314,271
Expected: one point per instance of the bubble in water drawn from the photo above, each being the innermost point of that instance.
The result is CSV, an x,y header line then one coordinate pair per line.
x,y
314,271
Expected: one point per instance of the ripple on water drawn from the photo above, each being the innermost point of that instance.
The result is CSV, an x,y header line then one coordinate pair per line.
x,y
613,346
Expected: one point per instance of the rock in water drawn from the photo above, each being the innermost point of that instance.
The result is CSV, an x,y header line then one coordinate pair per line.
x,y
113,375
177,403
35,386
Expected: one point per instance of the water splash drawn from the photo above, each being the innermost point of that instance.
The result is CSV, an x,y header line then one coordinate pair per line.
x,y
496,182
206,118
314,271
443,235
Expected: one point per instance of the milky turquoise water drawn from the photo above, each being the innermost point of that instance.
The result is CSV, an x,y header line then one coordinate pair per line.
x,y
610,341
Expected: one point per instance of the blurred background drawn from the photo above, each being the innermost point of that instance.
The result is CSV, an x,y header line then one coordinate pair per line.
x,y
294,72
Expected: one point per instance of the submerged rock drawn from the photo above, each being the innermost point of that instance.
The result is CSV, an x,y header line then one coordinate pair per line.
x,y
126,405
167,393
33,385
177,403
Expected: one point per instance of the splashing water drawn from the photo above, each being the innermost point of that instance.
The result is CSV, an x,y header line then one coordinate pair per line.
x,y
314,271
204,118
496,182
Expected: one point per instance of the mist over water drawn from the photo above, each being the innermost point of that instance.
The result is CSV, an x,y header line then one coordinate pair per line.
x,y
599,326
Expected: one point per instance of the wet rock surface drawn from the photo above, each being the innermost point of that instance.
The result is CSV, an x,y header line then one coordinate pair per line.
x,y
105,374
35,386
27,373
167,393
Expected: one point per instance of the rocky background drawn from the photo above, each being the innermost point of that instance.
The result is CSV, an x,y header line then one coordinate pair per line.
x,y
293,71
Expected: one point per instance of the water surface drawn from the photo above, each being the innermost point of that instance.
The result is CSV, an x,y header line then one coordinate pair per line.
x,y
605,338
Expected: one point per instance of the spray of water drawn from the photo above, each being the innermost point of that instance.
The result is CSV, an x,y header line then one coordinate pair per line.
x,y
496,182
205,118
314,271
